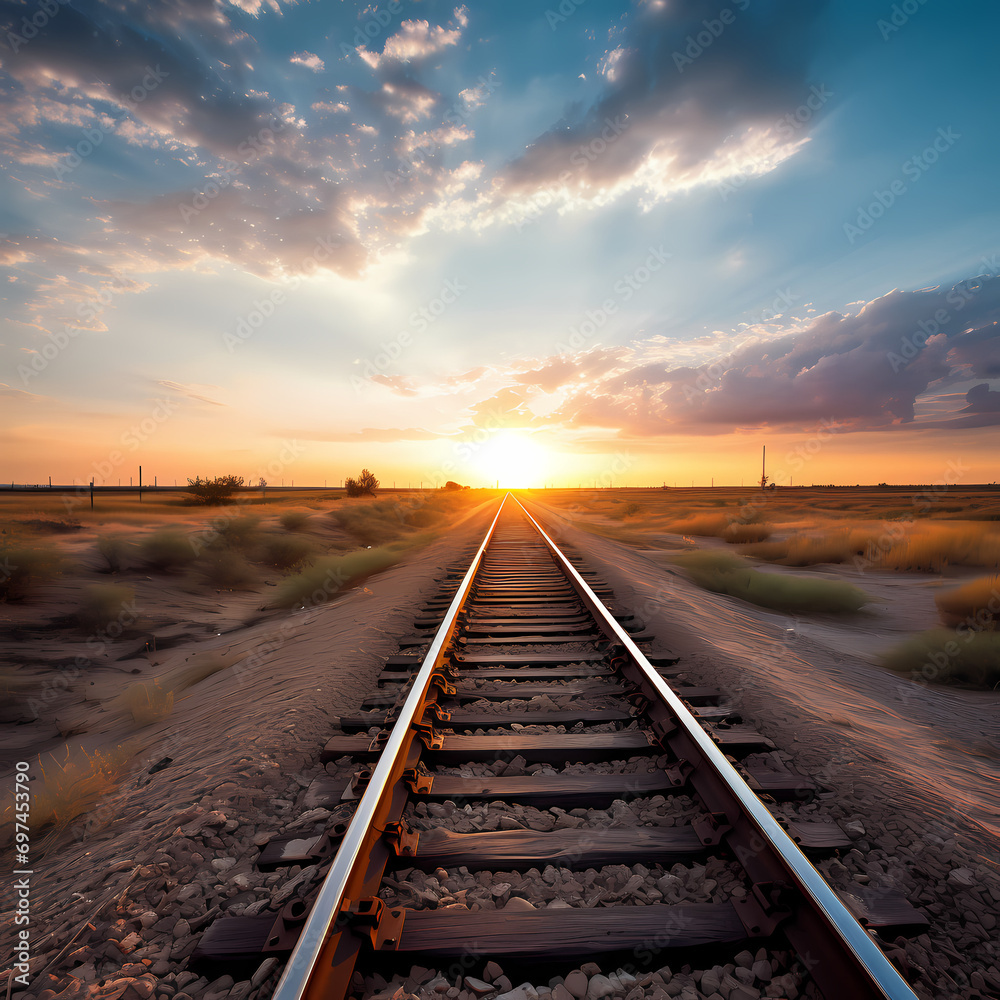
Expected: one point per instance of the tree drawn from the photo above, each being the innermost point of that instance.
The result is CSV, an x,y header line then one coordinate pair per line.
x,y
452,485
215,491
365,483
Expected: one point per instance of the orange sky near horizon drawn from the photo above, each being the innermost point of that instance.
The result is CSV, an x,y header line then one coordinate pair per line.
x,y
178,448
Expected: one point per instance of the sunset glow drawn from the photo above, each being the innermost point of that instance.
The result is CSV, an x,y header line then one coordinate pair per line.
x,y
291,240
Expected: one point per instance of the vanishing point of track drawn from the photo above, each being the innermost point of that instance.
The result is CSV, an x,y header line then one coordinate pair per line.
x,y
520,623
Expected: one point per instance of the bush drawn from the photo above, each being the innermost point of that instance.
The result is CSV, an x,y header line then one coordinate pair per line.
x,y
977,603
452,485
103,603
366,483
284,552
22,569
948,657
113,548
238,532
727,574
166,550
214,491
294,520
225,568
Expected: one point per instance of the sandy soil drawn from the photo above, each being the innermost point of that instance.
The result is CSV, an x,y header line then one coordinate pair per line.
x,y
174,847
938,746
213,781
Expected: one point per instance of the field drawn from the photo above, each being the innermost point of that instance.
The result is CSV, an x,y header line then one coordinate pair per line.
x,y
829,552
105,614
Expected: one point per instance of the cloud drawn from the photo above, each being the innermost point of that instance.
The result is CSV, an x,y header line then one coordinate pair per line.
x,y
416,40
982,399
865,370
192,391
309,60
664,125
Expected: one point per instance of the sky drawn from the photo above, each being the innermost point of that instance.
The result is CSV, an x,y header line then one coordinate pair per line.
x,y
590,243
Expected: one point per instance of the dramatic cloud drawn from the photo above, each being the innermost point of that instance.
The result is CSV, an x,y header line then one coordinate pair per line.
x,y
682,107
862,371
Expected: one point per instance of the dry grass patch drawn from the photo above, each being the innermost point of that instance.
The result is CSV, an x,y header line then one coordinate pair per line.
x,y
24,568
328,576
71,782
294,520
166,550
724,573
103,603
977,603
946,657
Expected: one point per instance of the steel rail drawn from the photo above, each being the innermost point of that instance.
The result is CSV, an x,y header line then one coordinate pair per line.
x,y
854,938
305,955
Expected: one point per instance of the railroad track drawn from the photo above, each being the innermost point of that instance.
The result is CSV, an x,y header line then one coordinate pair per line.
x,y
526,702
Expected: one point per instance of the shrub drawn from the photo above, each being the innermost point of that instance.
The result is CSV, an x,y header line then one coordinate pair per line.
x,y
727,574
452,485
225,568
948,657
214,491
366,483
977,603
294,520
103,603
238,532
283,552
113,548
22,569
166,550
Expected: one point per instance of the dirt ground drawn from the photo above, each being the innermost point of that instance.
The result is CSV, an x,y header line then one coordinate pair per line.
x,y
120,894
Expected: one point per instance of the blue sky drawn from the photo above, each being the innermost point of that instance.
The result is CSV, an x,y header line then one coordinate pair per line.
x,y
548,241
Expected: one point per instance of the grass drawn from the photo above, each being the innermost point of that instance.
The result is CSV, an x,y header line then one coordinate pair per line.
x,y
166,550
148,701
328,576
284,551
24,568
838,546
294,520
725,573
977,603
152,699
102,603
946,657
72,781
374,522
225,568
737,533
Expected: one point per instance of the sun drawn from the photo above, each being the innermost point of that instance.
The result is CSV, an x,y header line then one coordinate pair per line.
x,y
515,460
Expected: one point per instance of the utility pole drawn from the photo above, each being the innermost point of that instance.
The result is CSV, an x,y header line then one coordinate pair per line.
x,y
763,474
140,484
